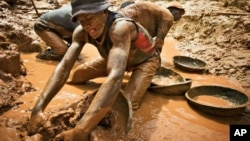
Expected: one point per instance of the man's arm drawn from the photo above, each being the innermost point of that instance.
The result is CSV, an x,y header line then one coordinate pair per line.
x,y
57,79
163,26
120,35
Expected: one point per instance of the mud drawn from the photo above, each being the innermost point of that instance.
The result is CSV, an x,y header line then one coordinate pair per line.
x,y
217,32
67,116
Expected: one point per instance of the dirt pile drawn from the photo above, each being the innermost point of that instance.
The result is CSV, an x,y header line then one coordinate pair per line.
x,y
11,88
241,4
66,118
15,37
16,26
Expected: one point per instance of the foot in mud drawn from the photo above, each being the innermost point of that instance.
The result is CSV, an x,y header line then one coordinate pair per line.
x,y
49,54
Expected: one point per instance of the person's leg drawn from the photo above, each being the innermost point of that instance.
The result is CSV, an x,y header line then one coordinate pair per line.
x,y
140,80
51,38
89,70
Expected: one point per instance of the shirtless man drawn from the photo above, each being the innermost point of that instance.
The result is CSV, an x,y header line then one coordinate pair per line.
x,y
55,26
155,18
123,44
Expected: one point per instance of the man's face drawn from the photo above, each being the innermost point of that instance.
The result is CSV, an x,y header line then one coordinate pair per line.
x,y
93,24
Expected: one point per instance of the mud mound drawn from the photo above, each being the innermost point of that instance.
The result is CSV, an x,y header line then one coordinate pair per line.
x,y
14,38
66,118
11,88
16,27
241,4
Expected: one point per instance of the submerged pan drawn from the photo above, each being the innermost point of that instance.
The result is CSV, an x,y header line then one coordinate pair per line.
x,y
217,100
189,64
168,82
123,107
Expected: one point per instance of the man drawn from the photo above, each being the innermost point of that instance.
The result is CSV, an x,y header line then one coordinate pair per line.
x,y
156,19
123,44
56,29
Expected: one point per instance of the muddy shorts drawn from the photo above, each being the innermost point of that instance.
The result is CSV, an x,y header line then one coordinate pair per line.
x,y
60,17
42,25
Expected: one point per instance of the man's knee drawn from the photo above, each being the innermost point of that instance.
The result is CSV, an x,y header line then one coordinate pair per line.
x,y
38,27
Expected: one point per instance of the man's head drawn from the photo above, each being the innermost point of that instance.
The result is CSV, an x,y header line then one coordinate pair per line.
x,y
91,14
88,7
176,9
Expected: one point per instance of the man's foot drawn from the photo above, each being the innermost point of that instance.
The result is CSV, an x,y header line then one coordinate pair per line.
x,y
49,54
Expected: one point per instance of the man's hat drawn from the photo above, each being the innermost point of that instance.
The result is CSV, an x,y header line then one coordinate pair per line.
x,y
87,6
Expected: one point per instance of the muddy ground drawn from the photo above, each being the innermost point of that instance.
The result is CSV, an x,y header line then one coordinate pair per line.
x,y
216,31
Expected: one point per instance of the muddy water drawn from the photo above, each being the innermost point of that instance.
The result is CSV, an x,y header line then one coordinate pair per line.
x,y
214,101
160,117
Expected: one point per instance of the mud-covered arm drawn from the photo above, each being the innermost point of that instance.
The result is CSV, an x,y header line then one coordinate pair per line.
x,y
61,72
163,27
120,35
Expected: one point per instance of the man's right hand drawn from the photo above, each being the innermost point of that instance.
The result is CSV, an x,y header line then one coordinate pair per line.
x,y
36,123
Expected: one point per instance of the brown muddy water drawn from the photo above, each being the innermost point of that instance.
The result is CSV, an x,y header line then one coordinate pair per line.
x,y
160,118
214,101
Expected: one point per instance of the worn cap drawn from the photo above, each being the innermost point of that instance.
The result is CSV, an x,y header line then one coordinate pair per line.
x,y
87,6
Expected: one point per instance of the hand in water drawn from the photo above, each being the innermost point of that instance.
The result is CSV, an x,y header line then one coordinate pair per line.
x,y
36,123
75,134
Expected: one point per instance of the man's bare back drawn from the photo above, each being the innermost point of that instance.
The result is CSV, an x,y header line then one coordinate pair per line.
x,y
155,18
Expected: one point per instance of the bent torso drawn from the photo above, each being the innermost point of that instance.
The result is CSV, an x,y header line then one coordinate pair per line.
x,y
149,15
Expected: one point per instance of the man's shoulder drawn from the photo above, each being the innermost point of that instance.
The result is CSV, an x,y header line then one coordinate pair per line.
x,y
122,23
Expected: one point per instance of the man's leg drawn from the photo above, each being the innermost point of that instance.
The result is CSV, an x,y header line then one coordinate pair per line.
x,y
89,70
140,80
53,40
